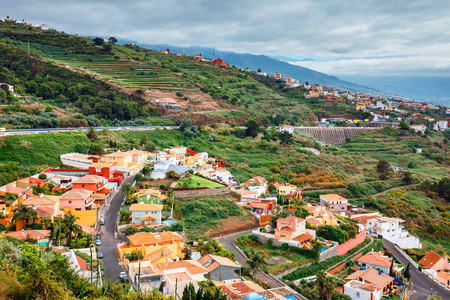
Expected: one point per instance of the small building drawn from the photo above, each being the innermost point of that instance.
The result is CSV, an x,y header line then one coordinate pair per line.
x,y
93,183
378,279
41,236
393,230
224,176
106,170
256,181
444,278
246,195
78,199
359,290
235,291
146,214
320,216
220,268
375,260
293,229
434,261
419,128
219,62
334,203
286,128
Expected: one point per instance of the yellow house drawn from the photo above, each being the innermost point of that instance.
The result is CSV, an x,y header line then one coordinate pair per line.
x,y
164,52
285,189
277,75
193,161
156,247
320,216
131,160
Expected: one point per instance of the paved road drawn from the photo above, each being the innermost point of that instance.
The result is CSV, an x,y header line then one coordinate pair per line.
x,y
228,242
109,243
421,285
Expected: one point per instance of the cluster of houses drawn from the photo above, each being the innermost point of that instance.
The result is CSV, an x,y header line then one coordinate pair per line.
x,y
162,268
25,23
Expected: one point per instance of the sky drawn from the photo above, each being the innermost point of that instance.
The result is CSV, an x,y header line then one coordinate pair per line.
x,y
371,37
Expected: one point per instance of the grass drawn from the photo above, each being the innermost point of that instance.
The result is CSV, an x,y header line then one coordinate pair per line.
x,y
197,181
152,200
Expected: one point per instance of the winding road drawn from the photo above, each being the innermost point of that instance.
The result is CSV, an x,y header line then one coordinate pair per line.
x,y
109,242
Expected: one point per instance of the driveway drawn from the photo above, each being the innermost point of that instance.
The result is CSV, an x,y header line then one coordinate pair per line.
x,y
228,242
422,287
109,243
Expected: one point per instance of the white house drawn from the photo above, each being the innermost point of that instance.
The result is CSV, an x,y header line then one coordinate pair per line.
x,y
10,87
146,214
160,169
224,176
335,203
392,229
259,190
286,128
419,128
375,260
441,125
358,290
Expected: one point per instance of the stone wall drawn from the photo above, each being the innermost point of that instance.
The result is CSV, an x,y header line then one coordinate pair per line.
x,y
201,192
333,135
331,252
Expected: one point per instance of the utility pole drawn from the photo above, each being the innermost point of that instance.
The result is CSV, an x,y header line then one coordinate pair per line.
x,y
91,262
98,270
139,277
214,52
28,47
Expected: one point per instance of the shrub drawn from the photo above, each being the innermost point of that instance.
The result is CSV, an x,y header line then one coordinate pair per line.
x,y
275,169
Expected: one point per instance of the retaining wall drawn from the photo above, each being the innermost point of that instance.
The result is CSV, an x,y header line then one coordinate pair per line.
x,y
333,135
201,192
352,243
331,252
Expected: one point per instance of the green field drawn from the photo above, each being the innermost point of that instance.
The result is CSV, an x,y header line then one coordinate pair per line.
x,y
197,181
152,200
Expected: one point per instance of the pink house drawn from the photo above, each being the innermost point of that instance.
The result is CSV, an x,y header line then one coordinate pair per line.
x,y
293,229
434,261
79,199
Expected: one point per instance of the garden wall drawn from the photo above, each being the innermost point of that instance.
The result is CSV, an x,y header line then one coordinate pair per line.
x,y
352,243
331,252
201,192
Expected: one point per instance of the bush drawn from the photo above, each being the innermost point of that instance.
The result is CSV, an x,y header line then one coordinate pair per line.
x,y
275,169
42,176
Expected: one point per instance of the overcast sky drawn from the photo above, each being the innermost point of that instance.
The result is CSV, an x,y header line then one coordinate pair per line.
x,y
344,37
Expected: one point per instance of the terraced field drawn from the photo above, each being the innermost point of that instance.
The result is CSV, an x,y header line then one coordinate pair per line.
x,y
119,69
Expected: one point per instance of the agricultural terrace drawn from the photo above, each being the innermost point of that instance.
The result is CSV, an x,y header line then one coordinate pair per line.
x,y
197,181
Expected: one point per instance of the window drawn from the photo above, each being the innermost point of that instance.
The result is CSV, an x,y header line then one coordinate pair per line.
x,y
357,295
70,201
82,185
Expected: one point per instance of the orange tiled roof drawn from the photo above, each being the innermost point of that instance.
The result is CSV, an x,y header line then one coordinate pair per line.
x,y
148,218
333,197
430,259
260,205
38,200
380,281
218,259
153,238
34,234
78,194
303,237
375,258
286,229
244,192
90,179
192,266
145,207
291,219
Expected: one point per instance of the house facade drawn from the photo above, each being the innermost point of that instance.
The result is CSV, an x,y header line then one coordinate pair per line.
x,y
93,183
146,214
375,260
334,203
392,229
220,268
79,199
293,230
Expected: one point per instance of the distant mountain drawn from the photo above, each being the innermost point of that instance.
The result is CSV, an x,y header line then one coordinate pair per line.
x,y
425,88
268,65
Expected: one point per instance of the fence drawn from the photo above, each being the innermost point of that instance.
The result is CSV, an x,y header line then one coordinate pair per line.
x,y
352,243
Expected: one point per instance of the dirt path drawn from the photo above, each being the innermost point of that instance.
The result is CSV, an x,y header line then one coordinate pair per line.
x,y
395,188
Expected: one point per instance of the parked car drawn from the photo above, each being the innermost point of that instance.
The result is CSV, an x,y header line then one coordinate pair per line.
x,y
102,222
122,274
100,255
98,242
124,279
98,238
99,234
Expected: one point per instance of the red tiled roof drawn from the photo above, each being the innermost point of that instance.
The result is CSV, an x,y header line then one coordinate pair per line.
x,y
430,259
81,262
375,258
286,229
291,219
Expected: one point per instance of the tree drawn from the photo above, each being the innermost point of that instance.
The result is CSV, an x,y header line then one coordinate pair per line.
x,y
317,247
329,286
252,129
271,187
71,227
137,177
42,176
275,169
320,279
257,262
150,147
301,212
406,272
349,230
146,170
383,166
112,40
330,233
26,214
91,134
98,41
286,138
127,188
443,188
9,199
135,255
408,177
172,174
404,126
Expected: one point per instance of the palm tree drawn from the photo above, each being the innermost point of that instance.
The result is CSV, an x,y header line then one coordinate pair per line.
x,y
146,170
320,279
127,188
70,226
26,214
58,231
329,286
9,199
256,262
316,246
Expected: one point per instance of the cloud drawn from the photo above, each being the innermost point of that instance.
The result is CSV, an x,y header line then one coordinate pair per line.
x,y
354,33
